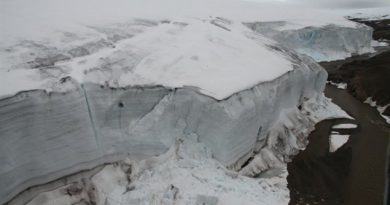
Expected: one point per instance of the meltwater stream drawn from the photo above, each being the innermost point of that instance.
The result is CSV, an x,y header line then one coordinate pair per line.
x,y
353,175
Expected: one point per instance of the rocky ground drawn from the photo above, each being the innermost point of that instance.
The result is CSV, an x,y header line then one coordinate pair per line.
x,y
367,78
367,75
352,175
381,27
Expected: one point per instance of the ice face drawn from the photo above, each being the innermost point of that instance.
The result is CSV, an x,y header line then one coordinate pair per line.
x,y
326,43
185,174
46,136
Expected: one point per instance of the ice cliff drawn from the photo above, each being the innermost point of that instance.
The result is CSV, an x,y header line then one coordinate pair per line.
x,y
101,92
326,43
48,135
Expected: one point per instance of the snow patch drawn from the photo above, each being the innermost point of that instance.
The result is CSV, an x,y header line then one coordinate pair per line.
x,y
338,85
325,109
336,141
380,109
371,14
379,43
345,126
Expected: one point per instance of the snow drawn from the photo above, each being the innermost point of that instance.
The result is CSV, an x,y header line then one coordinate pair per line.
x,y
345,126
19,80
376,13
338,85
336,141
20,17
194,173
325,109
325,43
334,132
379,44
380,109
200,55
186,174
206,57
195,47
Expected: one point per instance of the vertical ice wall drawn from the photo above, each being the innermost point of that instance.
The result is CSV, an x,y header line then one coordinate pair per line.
x,y
45,136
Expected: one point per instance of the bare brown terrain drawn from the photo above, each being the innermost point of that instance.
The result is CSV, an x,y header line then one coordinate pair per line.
x,y
358,172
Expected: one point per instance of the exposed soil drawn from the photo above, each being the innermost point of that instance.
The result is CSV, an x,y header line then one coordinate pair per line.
x,y
317,176
357,173
366,75
381,27
353,175
366,78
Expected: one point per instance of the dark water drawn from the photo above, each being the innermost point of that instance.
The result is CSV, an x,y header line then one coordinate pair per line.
x,y
353,175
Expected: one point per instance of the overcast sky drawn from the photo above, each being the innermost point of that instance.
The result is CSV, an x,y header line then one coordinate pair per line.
x,y
338,3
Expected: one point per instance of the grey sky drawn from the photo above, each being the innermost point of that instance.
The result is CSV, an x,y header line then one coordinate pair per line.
x,y
338,3
346,3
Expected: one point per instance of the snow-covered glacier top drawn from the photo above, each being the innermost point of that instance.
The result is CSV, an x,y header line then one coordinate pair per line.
x,y
54,44
215,56
376,13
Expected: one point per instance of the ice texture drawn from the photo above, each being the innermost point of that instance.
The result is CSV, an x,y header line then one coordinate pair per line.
x,y
326,43
48,135
212,56
185,174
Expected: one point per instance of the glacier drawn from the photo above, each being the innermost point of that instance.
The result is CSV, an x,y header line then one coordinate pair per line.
x,y
326,43
123,89
187,173
77,130
70,131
